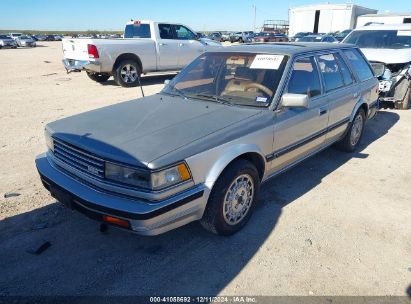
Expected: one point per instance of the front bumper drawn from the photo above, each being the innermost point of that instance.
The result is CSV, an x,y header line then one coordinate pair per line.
x,y
72,65
145,217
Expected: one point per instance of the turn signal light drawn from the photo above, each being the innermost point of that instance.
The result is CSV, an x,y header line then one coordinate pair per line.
x,y
116,221
92,51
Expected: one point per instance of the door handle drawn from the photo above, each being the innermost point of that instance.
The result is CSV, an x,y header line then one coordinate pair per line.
x,y
162,44
181,44
355,95
322,111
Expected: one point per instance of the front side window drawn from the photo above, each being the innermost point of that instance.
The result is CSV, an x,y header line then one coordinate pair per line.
x,y
359,65
137,31
184,33
304,78
246,79
166,31
330,71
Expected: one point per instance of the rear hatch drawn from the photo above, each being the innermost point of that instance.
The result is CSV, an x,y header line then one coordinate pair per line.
x,y
76,49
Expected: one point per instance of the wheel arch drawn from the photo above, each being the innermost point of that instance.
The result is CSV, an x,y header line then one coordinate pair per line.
x,y
128,56
250,153
361,104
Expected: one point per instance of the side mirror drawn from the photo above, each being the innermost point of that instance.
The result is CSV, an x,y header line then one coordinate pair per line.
x,y
295,100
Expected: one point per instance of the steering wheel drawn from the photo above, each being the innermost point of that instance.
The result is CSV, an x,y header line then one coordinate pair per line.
x,y
259,87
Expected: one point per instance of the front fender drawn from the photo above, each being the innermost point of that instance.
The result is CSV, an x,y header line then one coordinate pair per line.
x,y
226,158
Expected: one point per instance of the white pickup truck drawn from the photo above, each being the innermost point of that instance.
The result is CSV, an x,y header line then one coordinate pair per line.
x,y
147,47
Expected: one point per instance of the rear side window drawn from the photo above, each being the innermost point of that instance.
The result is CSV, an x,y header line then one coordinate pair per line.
x,y
137,31
358,64
304,78
345,71
331,72
166,31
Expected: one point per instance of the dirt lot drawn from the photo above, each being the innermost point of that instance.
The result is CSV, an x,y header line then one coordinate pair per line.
x,y
338,224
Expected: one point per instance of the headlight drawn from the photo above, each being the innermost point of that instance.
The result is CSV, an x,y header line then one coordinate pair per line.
x,y
49,140
146,179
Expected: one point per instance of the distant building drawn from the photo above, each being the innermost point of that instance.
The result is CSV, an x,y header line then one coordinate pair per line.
x,y
325,18
389,18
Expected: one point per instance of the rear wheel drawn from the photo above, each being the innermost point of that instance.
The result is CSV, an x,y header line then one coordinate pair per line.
x,y
354,133
98,77
232,199
126,73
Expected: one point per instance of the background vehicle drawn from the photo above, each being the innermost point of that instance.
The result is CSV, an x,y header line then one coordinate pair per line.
x,y
318,38
15,35
7,41
199,150
388,48
25,40
241,37
269,37
299,35
341,35
216,36
149,47
50,38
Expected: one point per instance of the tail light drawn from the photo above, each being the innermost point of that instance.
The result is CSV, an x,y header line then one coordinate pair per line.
x,y
92,51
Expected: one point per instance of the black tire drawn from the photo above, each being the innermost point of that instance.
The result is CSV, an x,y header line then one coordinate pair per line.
x,y
347,143
214,219
98,77
406,102
123,81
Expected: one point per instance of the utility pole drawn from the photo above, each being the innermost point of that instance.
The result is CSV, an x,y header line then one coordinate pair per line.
x,y
255,14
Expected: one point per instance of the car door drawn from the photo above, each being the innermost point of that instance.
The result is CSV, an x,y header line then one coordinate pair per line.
x,y
298,132
189,47
341,92
168,47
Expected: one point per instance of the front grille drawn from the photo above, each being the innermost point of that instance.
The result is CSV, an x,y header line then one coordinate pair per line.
x,y
78,159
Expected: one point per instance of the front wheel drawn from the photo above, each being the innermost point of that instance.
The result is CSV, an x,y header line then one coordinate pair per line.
x,y
126,73
98,77
232,199
354,133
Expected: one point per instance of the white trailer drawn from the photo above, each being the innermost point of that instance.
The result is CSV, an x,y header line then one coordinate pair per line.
x,y
325,18
389,18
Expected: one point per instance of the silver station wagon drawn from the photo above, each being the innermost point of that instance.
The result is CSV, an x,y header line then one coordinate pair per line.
x,y
200,149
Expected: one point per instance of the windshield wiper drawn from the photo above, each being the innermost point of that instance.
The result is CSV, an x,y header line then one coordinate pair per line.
x,y
216,98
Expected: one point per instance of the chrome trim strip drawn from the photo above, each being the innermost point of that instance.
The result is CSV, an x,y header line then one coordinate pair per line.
x,y
304,141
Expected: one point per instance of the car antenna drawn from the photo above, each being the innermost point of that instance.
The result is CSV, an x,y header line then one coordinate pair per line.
x,y
139,83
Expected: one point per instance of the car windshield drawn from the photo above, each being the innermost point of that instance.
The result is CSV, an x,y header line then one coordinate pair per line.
x,y
5,37
246,79
24,37
381,39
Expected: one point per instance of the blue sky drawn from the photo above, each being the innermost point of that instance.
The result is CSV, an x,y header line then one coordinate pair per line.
x,y
201,15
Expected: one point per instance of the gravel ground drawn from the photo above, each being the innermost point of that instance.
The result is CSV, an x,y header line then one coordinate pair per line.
x,y
338,224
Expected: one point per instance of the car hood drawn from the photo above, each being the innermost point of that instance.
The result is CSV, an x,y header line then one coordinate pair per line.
x,y
140,131
388,56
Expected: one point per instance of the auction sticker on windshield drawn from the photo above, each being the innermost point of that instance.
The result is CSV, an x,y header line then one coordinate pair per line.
x,y
270,62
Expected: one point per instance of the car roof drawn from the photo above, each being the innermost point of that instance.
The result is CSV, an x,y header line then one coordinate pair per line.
x,y
379,27
284,48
